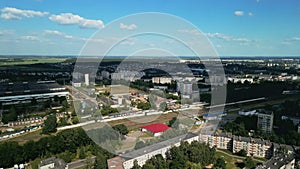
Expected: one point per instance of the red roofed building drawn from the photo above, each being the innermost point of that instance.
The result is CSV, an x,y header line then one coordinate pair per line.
x,y
155,129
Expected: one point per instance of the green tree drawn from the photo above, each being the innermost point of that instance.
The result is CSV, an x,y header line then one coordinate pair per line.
x,y
242,152
50,125
249,163
178,158
121,128
66,156
144,106
10,116
82,154
190,165
157,161
220,164
106,110
100,162
135,165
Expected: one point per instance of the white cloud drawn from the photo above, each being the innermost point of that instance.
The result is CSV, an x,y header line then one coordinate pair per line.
x,y
31,38
238,13
190,31
250,14
53,32
286,43
71,19
128,27
6,32
57,33
295,39
14,13
227,37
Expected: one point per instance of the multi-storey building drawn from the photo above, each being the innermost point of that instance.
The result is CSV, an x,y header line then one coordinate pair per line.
x,y
265,121
221,141
144,154
162,80
253,147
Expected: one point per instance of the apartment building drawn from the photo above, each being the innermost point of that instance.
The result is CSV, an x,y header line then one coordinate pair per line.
x,y
265,121
144,154
254,147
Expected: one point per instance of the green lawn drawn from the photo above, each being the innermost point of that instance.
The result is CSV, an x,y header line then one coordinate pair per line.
x,y
230,161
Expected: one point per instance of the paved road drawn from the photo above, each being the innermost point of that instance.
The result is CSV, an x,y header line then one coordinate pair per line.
x,y
238,102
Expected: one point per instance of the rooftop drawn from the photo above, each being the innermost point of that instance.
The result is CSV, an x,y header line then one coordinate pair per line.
x,y
263,111
58,163
25,88
277,162
157,146
115,163
156,128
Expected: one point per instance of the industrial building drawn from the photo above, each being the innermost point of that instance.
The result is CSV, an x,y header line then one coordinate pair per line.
x,y
25,92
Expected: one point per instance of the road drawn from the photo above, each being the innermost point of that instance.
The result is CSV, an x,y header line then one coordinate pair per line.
x,y
238,102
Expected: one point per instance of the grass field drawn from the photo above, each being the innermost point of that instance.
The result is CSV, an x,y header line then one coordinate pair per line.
x,y
233,161
230,161
36,135
135,123
28,61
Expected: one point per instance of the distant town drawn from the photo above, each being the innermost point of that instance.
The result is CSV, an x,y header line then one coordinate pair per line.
x,y
149,113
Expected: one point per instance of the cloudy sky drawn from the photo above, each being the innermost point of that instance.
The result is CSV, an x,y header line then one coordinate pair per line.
x,y
234,27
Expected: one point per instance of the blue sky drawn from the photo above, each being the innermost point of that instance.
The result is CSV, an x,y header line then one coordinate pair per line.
x,y
235,27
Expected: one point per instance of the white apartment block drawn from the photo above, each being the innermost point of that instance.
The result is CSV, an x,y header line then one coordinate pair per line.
x,y
144,154
162,80
254,147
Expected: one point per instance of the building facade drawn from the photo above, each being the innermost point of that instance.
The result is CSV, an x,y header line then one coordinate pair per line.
x,y
144,154
265,121
254,147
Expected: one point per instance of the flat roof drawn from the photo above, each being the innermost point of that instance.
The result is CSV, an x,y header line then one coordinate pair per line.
x,y
157,146
29,88
115,163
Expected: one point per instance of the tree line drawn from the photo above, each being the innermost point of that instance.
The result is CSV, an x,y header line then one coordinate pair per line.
x,y
64,144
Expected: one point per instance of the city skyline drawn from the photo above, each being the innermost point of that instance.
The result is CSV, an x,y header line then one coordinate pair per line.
x,y
242,28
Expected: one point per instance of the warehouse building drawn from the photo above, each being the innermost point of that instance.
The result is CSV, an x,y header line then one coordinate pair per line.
x,y
25,92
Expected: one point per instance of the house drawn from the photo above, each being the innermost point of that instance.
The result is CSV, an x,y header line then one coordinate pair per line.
x,y
155,129
53,163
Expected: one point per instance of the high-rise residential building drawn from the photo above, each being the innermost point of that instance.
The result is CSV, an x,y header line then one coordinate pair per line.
x,y
86,79
265,121
185,88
